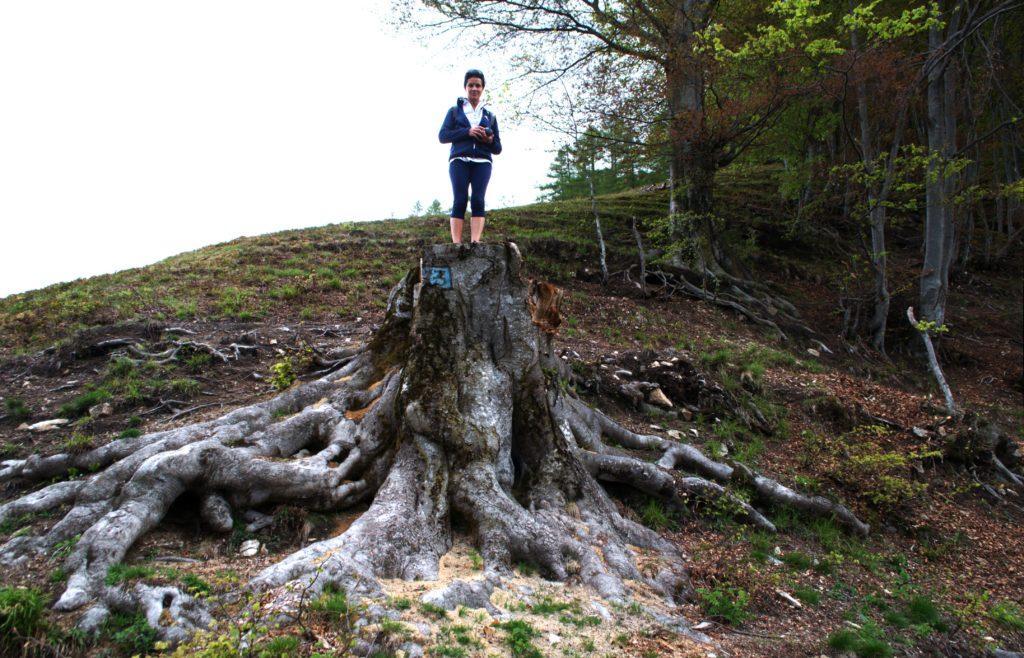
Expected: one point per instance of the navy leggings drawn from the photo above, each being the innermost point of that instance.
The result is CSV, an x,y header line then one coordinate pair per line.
x,y
465,175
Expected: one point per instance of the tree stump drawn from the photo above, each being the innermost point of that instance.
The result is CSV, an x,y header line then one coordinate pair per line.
x,y
453,408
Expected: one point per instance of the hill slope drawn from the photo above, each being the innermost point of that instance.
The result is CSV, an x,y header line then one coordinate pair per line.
x,y
286,304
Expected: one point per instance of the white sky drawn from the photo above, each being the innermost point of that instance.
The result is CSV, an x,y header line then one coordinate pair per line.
x,y
134,130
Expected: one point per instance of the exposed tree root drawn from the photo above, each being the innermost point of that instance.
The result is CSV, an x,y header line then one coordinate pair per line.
x,y
750,299
449,411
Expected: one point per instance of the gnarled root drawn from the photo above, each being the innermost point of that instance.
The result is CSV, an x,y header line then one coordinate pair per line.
x,y
447,412
589,426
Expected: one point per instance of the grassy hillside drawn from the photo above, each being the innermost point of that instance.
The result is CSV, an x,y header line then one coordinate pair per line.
x,y
327,274
939,575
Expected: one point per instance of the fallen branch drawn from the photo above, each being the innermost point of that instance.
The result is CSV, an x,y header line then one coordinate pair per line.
x,y
933,360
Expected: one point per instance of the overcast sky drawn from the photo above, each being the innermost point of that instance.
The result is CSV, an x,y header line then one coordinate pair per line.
x,y
134,130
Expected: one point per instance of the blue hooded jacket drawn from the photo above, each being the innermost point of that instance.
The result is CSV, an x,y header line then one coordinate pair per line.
x,y
455,131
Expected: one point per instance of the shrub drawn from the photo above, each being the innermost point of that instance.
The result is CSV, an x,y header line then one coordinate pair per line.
x,y
195,585
726,603
1008,614
882,477
282,374
16,409
21,613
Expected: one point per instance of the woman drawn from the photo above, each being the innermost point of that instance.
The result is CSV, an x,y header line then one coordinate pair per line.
x,y
472,131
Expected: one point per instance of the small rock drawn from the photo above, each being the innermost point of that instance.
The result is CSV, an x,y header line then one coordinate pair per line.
x,y
704,624
666,364
654,364
813,352
658,397
101,410
249,548
656,427
920,432
412,650
554,639
273,341
693,431
601,611
623,373
675,434
45,425
685,415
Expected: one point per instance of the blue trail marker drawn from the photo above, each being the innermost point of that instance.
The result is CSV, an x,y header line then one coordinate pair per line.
x,y
440,277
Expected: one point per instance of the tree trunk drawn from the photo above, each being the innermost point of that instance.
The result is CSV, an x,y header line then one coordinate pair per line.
x,y
602,251
876,219
456,407
938,221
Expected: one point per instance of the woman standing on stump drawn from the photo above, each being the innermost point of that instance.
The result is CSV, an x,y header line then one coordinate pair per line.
x,y
472,130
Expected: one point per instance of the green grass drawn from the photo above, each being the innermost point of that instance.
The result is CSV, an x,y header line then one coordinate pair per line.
x,y
548,606
655,516
21,614
1008,614
80,405
807,595
122,573
130,633
866,642
16,410
519,636
797,560
332,603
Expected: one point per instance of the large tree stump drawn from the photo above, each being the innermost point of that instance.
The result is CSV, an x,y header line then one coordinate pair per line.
x,y
453,408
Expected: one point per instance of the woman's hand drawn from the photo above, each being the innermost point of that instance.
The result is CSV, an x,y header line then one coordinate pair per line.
x,y
478,133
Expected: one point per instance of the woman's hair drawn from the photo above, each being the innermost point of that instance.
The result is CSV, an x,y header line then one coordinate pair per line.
x,y
474,73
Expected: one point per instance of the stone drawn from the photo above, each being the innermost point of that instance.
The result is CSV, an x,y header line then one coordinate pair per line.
x,y
658,397
813,352
675,434
920,432
685,415
101,410
621,372
249,548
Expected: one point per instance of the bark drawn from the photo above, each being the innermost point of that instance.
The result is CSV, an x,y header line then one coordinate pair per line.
x,y
876,219
452,409
938,232
597,222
